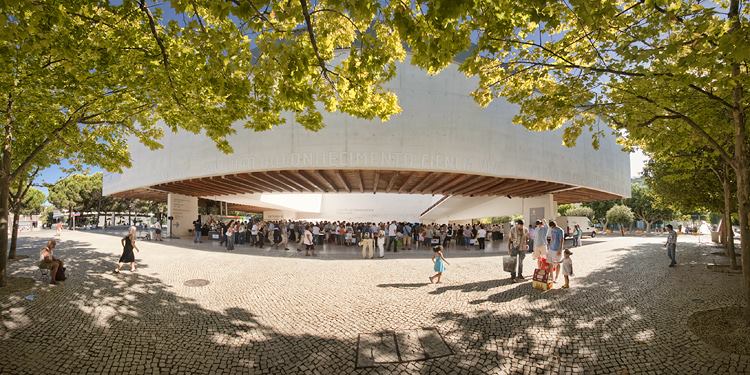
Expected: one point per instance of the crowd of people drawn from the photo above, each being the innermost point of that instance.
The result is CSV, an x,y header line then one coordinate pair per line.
x,y
381,237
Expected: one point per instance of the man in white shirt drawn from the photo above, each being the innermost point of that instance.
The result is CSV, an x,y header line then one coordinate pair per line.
x,y
316,233
481,236
392,237
308,240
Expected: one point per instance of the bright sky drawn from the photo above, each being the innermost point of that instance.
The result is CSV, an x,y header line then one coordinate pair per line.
x,y
637,160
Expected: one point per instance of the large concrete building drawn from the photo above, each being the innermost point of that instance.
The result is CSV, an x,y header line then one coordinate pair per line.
x,y
442,159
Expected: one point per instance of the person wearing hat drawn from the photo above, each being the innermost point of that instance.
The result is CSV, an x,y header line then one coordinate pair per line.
x,y
567,268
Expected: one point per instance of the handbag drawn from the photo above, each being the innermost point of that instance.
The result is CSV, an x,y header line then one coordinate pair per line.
x,y
509,264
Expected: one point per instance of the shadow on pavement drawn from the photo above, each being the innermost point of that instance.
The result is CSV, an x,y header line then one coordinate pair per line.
x,y
134,323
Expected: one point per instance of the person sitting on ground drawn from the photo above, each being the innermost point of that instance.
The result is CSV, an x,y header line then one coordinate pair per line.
x,y
48,261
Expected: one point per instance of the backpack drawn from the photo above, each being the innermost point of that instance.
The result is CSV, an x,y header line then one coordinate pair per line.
x,y
60,276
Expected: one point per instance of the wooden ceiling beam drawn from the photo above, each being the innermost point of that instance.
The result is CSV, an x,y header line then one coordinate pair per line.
x,y
263,180
484,185
242,181
254,180
409,180
440,181
507,189
361,181
376,182
241,188
456,181
214,186
291,178
285,186
481,185
304,178
342,180
392,181
427,179
532,190
532,186
321,175
456,190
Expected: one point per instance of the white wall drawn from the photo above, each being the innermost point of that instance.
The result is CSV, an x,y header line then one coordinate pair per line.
x,y
466,208
441,128
184,210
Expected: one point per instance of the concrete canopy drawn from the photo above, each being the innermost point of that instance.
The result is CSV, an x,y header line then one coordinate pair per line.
x,y
441,144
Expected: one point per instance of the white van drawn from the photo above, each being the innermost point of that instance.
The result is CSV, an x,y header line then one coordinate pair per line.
x,y
570,221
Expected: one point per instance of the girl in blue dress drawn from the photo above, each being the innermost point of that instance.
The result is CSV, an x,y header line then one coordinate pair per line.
x,y
438,259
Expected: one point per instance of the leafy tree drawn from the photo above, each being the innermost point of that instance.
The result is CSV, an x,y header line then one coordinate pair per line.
x,y
580,211
645,207
84,77
620,215
646,67
77,192
563,208
600,211
695,181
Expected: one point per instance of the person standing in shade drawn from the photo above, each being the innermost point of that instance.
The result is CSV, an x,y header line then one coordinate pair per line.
x,y
392,237
554,254
381,243
517,248
316,234
532,237
197,229
448,236
367,245
481,236
128,245
309,241
671,245
407,236
230,236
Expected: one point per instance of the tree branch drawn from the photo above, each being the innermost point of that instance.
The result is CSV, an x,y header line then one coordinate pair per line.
x,y
687,119
162,48
313,42
711,95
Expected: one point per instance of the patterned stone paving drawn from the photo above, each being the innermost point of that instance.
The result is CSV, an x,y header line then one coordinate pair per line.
x,y
626,312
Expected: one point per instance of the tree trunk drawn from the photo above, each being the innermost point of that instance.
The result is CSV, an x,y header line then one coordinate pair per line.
x,y
14,237
648,226
728,232
4,205
622,230
743,198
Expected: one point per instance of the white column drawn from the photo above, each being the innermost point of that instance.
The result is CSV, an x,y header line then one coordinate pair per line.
x,y
184,210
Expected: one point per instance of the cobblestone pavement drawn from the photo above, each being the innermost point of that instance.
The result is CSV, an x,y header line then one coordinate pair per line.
x,y
626,312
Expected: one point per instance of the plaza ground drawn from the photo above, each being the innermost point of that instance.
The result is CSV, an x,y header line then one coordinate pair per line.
x,y
277,312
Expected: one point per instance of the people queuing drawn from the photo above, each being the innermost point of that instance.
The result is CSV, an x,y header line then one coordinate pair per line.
x,y
392,236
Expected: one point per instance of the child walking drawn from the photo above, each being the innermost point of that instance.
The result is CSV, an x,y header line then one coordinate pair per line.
x,y
438,259
567,268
